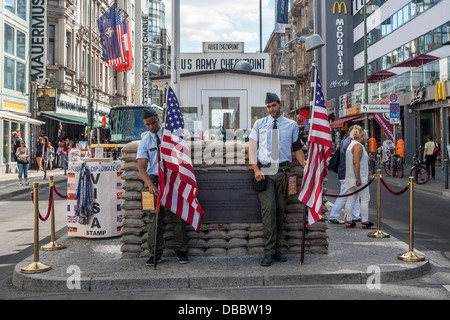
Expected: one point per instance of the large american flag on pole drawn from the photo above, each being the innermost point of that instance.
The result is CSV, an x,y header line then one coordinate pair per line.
x,y
320,149
177,184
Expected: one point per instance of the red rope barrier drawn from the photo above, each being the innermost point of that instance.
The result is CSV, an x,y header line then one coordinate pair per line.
x,y
349,194
392,191
50,201
59,194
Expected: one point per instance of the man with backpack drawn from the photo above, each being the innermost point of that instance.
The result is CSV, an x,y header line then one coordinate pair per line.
x,y
429,155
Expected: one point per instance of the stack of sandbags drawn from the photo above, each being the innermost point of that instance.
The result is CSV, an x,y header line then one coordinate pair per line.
x,y
134,223
217,154
214,239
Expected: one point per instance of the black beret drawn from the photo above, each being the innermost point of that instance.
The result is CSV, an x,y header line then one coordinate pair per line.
x,y
271,97
148,113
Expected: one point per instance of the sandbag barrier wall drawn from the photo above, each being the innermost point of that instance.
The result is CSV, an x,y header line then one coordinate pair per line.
x,y
213,239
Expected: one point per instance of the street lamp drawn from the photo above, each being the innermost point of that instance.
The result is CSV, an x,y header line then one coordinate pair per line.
x,y
243,65
311,42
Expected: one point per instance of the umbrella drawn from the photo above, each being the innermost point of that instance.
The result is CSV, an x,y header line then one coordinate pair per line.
x,y
378,76
416,61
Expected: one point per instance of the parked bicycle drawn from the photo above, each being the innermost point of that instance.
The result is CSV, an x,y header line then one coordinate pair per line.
x,y
372,162
418,171
398,166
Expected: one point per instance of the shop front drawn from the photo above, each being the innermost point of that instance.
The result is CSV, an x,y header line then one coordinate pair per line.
x,y
15,125
66,115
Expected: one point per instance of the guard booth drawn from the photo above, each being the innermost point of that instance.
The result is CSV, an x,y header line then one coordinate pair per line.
x,y
223,105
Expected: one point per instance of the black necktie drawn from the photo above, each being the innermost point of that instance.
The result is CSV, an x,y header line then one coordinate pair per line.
x,y
158,142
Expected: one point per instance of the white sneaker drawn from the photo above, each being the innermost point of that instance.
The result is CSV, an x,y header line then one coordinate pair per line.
x,y
20,183
27,183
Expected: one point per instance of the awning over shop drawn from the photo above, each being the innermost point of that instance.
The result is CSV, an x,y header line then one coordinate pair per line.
x,y
416,61
65,119
340,122
378,76
11,116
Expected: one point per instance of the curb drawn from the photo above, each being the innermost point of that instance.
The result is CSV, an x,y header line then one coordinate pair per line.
x,y
202,272
27,189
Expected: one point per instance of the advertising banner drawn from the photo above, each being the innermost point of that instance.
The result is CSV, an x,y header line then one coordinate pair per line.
x,y
107,218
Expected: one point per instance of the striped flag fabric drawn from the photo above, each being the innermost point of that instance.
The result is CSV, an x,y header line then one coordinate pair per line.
x,y
119,33
127,48
320,149
108,35
178,188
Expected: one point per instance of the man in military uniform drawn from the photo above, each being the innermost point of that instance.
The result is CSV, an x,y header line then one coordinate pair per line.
x,y
270,153
147,159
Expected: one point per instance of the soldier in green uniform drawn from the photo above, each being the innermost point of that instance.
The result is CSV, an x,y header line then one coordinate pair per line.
x,y
270,153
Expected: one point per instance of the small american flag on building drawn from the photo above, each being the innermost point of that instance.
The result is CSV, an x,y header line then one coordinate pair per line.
x,y
177,184
320,149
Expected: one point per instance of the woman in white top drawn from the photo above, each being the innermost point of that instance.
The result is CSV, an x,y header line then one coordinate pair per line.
x,y
356,176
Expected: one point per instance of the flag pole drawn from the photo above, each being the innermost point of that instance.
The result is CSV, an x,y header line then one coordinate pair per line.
x,y
160,162
311,113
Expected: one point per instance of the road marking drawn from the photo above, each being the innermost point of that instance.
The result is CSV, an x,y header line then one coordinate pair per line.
x,y
447,287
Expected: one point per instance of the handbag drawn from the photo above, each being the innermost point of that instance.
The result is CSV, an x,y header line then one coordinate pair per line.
x,y
259,185
335,159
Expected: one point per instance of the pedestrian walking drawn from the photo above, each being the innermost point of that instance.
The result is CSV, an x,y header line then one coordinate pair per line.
x,y
356,176
49,156
341,201
39,152
23,159
270,160
429,157
147,158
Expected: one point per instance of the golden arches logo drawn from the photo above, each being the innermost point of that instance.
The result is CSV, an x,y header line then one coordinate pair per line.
x,y
440,91
339,5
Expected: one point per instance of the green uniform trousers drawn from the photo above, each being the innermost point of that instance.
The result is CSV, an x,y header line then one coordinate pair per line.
x,y
273,208
180,238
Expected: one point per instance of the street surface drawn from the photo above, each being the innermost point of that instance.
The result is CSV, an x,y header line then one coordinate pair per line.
x,y
431,238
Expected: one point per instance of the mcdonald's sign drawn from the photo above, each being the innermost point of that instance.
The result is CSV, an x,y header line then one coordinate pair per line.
x,y
440,91
339,5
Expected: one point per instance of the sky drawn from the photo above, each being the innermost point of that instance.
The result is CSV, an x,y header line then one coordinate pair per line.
x,y
219,20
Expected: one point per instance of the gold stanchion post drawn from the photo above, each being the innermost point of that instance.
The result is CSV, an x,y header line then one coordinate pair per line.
x,y
378,233
411,255
36,266
53,244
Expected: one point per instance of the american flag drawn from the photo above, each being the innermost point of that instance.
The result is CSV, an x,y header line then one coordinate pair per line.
x,y
320,149
119,31
177,184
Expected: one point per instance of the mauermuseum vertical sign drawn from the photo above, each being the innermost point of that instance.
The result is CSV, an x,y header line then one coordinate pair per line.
x,y
38,40
339,55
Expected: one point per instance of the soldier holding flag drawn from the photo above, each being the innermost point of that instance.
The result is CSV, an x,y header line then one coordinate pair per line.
x,y
148,158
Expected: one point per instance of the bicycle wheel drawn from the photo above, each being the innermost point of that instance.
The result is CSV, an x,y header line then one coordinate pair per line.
x,y
420,174
387,167
400,169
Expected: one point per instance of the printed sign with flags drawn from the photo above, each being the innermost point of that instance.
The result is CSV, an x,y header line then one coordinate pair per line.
x,y
178,186
320,149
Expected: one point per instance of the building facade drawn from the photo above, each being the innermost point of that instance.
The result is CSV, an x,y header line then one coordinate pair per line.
x,y
15,111
407,55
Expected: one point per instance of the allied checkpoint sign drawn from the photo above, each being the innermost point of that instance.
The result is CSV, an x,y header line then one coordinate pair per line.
x,y
107,218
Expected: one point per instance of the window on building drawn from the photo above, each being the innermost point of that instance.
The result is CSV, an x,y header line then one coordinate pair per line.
x,y
51,45
18,7
14,59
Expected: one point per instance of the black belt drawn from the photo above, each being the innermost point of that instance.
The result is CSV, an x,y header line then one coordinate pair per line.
x,y
268,165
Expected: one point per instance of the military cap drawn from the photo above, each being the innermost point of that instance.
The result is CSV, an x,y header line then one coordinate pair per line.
x,y
271,97
148,113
